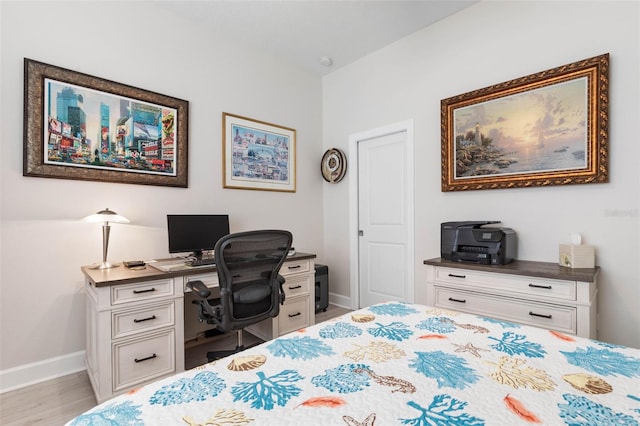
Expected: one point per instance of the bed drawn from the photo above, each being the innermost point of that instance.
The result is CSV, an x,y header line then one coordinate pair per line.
x,y
397,364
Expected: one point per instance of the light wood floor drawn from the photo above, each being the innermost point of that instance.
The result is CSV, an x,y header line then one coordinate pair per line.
x,y
57,401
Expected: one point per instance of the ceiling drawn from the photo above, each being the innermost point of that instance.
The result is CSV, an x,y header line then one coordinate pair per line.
x,y
303,31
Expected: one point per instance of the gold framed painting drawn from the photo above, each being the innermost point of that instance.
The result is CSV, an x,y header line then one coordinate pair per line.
x,y
82,127
548,128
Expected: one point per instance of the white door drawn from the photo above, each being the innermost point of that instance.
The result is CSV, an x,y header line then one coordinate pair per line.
x,y
384,217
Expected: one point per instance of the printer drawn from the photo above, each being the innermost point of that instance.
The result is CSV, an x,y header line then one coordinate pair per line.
x,y
472,241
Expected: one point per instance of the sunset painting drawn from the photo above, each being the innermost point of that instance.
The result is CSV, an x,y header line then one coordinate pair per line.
x,y
540,130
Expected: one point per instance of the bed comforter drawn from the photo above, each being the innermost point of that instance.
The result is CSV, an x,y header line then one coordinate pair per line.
x,y
397,364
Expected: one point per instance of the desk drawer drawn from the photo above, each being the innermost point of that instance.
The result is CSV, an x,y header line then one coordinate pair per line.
x,y
141,291
296,285
138,361
125,323
210,280
294,315
508,284
295,267
516,310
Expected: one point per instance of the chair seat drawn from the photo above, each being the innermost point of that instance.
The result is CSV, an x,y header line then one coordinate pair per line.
x,y
252,293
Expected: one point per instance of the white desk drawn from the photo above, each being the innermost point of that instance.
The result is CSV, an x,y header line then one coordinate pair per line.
x,y
136,321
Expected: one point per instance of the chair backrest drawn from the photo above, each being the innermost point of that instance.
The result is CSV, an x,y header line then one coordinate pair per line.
x,y
248,265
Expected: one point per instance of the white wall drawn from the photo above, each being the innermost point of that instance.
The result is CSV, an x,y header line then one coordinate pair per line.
x,y
44,243
486,44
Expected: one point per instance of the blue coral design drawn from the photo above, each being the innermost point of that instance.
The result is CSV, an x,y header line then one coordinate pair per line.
x,y
393,309
300,348
343,379
268,392
443,411
339,330
448,370
604,362
202,386
125,413
581,411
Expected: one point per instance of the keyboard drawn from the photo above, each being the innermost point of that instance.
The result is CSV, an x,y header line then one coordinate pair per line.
x,y
202,262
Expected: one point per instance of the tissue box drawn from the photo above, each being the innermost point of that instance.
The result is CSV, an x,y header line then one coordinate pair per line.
x,y
582,256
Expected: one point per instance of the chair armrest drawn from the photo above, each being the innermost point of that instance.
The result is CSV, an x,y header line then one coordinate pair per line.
x,y
199,288
281,280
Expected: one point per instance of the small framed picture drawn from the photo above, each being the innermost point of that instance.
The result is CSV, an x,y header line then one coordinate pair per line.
x,y
258,155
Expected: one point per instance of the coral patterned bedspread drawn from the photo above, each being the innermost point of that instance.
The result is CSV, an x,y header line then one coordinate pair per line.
x,y
398,364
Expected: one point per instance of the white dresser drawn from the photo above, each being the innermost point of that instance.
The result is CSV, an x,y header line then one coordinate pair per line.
x,y
136,320
536,293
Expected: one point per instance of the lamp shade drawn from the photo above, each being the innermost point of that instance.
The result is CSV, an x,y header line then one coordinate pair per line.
x,y
106,215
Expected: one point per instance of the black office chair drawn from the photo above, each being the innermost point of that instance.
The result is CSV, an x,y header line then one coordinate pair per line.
x,y
248,265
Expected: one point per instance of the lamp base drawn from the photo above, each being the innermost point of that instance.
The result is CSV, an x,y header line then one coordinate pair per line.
x,y
104,265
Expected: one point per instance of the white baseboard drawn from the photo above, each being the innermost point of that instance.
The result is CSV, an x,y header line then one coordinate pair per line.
x,y
339,300
41,371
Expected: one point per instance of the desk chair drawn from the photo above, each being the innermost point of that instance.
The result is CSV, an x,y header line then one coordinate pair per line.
x,y
251,291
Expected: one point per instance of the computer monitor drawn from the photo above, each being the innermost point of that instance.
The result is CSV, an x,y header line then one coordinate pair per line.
x,y
195,232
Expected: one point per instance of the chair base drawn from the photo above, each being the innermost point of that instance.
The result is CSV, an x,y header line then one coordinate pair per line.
x,y
215,355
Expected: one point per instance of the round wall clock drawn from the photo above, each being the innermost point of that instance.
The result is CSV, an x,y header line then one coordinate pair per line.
x,y
333,165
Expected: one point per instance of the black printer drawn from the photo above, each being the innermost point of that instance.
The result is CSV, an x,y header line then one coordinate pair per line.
x,y
471,241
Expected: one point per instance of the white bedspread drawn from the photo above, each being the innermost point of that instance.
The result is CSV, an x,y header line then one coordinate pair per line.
x,y
398,364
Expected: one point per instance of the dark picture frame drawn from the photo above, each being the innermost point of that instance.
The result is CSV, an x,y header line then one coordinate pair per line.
x,y
548,128
78,126
257,155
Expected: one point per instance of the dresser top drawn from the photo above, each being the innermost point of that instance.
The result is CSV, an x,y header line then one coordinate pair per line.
x,y
525,267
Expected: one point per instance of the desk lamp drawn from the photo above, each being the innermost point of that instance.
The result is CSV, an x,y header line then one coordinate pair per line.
x,y
105,216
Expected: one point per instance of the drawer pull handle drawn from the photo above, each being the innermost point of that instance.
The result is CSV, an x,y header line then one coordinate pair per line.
x,y
457,276
144,291
548,287
533,314
294,315
152,317
457,300
295,287
294,267
146,359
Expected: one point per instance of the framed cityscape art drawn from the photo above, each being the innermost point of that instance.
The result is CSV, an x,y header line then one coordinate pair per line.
x,y
548,128
77,126
258,155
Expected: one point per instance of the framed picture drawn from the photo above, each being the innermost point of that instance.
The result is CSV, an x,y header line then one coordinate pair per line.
x,y
258,155
77,126
549,128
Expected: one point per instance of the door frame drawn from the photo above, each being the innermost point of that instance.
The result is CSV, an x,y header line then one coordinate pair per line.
x,y
354,274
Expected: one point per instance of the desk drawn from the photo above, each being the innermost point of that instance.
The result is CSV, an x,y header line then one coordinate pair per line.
x,y
136,320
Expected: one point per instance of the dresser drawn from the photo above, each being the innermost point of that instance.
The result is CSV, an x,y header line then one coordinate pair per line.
x,y
543,294
136,320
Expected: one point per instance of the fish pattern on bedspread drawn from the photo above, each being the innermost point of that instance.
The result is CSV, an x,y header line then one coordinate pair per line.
x,y
397,364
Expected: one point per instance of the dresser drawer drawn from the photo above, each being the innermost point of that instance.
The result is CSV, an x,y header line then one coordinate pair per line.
x,y
296,285
295,267
141,291
541,288
293,315
141,360
517,310
126,323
